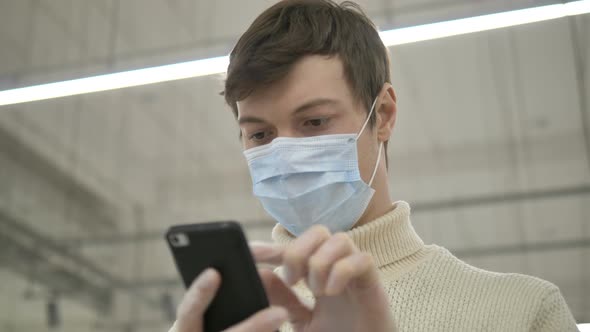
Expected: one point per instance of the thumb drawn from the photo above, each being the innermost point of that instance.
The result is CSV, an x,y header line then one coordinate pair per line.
x,y
196,300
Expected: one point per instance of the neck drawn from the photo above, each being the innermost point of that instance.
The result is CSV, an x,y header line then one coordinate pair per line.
x,y
381,202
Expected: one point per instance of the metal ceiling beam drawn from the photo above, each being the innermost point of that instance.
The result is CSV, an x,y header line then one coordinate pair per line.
x,y
521,248
417,207
35,162
149,235
504,250
39,259
33,265
500,198
58,268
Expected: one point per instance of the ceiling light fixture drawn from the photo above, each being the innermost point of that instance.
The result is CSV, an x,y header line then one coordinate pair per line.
x,y
218,65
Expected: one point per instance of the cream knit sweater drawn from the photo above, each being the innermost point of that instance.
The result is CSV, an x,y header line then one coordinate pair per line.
x,y
431,290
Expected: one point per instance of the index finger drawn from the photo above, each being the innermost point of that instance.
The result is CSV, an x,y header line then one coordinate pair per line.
x,y
267,253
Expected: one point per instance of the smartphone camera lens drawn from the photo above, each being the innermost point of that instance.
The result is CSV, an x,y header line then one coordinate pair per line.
x,y
178,240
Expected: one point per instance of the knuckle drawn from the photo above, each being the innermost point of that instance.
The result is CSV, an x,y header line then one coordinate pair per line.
x,y
341,236
292,256
317,263
342,239
344,267
320,231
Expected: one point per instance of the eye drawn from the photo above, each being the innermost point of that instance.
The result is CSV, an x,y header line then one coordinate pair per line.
x,y
262,137
315,122
258,136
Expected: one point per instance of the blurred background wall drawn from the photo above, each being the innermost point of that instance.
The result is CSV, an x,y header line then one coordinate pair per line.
x,y
491,148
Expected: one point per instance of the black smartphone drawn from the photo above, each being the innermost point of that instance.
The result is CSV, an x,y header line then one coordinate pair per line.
x,y
222,246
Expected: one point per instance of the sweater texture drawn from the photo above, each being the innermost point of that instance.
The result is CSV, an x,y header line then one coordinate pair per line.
x,y
429,289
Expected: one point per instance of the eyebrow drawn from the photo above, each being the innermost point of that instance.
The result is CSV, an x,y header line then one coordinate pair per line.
x,y
250,119
314,103
300,109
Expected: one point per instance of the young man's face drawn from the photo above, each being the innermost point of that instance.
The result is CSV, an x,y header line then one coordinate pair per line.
x,y
314,99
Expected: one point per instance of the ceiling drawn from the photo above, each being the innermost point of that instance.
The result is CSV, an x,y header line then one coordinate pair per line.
x,y
491,148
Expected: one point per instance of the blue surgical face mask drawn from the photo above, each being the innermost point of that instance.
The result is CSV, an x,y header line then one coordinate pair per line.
x,y
312,180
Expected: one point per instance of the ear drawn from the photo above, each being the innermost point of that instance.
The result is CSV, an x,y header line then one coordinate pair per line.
x,y
386,112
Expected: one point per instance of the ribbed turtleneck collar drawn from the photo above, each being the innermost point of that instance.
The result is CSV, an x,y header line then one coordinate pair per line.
x,y
387,239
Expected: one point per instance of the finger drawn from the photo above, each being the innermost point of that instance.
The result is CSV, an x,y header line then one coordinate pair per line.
x,y
335,248
296,255
357,270
196,300
266,253
269,319
281,295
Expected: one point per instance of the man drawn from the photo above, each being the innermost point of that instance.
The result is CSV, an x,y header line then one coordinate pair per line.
x,y
309,83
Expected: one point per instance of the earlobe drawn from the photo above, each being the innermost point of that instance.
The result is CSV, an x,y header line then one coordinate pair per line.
x,y
386,113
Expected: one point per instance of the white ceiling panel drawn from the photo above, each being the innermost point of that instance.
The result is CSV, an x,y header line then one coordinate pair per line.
x,y
15,17
12,59
97,40
546,81
149,24
51,40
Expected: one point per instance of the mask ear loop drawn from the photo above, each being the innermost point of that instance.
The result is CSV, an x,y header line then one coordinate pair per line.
x,y
377,163
380,144
367,120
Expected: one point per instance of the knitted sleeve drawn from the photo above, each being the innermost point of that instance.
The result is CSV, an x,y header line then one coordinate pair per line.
x,y
554,314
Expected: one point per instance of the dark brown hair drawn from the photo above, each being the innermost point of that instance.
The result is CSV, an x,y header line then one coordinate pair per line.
x,y
292,29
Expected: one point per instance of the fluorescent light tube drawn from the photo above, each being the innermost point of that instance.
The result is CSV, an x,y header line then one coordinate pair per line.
x,y
116,80
483,23
218,65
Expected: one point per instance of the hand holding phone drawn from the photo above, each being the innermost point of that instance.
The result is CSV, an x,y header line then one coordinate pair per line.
x,y
199,296
232,291
345,283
